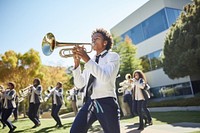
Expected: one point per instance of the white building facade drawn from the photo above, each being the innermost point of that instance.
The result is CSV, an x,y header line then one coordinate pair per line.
x,y
147,27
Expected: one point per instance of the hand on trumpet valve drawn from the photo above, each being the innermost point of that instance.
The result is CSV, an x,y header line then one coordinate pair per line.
x,y
134,80
45,99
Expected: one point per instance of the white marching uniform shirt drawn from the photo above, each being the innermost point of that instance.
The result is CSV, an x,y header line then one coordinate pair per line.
x,y
139,84
105,73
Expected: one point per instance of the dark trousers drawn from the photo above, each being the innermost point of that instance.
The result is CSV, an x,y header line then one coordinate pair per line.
x,y
15,112
128,100
5,115
33,113
55,115
1,115
140,113
105,110
146,111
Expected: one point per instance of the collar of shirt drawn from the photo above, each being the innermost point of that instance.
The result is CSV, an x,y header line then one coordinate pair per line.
x,y
103,53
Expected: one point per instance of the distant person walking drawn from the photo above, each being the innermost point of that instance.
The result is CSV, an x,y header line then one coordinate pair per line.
x,y
139,83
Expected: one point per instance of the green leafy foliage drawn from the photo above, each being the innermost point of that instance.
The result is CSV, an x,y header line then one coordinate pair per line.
x,y
128,60
182,44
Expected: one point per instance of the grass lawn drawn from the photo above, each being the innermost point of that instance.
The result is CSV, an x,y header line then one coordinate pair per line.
x,y
24,125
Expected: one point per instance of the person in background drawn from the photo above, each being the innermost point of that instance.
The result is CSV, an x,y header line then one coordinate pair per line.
x,y
139,83
57,101
1,105
9,105
127,91
35,99
15,112
98,77
73,98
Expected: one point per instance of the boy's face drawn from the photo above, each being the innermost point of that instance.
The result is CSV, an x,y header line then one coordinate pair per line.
x,y
99,44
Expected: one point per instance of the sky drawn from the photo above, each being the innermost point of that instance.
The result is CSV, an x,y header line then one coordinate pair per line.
x,y
24,23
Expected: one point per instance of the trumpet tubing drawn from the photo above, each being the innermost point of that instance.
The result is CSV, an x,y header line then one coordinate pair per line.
x,y
23,93
49,43
120,90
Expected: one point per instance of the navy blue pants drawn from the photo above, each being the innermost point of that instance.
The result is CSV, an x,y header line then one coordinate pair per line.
x,y
54,113
105,110
5,115
33,113
129,101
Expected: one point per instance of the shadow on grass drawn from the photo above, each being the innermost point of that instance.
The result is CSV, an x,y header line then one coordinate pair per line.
x,y
52,128
44,130
95,128
177,118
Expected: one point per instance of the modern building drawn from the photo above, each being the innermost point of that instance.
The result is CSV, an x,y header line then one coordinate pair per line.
x,y
147,27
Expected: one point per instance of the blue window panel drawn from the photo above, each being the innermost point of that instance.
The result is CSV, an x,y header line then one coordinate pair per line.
x,y
154,24
172,15
137,34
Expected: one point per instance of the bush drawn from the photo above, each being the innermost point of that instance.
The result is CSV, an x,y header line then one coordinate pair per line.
x,y
195,101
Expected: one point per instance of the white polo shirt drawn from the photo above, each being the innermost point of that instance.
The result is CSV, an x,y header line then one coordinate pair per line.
x,y
105,73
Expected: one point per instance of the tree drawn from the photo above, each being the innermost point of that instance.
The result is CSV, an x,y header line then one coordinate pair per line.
x,y
21,69
128,60
182,44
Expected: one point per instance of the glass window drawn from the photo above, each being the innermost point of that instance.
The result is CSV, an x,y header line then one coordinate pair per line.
x,y
172,15
145,62
155,59
137,34
152,61
171,90
153,25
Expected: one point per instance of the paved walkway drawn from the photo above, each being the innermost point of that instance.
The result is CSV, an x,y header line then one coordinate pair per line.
x,y
165,128
183,127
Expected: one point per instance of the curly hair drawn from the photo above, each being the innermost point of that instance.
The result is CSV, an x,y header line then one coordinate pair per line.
x,y
106,35
141,75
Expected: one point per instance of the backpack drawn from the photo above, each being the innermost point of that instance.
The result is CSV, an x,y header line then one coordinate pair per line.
x,y
146,92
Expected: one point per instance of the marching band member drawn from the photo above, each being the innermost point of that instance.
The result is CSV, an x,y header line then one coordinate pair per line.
x,y
9,105
35,95
98,77
139,82
73,98
57,101
1,105
127,91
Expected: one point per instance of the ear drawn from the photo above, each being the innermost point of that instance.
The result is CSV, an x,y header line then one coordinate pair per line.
x,y
105,43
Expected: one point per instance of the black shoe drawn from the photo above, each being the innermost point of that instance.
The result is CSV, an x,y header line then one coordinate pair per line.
x,y
59,126
145,121
34,126
56,125
14,127
150,122
3,126
12,130
37,125
140,128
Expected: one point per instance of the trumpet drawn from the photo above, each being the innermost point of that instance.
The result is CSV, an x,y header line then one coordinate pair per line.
x,y
47,93
49,90
49,43
121,90
23,93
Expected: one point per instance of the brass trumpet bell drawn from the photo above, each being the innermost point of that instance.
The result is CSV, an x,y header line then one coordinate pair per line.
x,y
49,43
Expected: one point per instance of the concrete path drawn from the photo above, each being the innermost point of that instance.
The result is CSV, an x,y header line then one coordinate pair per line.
x,y
165,128
183,127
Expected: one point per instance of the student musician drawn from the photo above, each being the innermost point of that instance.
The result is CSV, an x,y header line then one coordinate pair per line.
x,y
1,105
9,105
57,101
35,100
